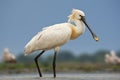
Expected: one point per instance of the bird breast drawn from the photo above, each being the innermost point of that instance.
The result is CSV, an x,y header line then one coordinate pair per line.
x,y
75,32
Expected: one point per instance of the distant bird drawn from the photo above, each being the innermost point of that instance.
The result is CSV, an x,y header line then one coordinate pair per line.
x,y
112,58
115,57
53,37
8,57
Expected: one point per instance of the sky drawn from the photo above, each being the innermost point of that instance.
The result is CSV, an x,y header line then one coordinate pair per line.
x,y
20,20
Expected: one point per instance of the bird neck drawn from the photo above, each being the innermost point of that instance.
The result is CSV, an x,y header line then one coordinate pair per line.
x,y
77,29
80,27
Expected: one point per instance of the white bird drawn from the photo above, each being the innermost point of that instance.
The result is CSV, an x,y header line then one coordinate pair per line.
x,y
8,56
53,37
109,59
112,58
115,57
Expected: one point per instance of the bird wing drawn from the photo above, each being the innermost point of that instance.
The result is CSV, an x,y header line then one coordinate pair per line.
x,y
51,37
55,26
52,28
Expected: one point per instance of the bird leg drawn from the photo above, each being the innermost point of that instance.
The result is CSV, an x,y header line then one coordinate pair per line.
x,y
54,64
36,61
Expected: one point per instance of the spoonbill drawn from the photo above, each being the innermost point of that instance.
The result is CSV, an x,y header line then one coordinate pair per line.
x,y
53,37
8,56
112,58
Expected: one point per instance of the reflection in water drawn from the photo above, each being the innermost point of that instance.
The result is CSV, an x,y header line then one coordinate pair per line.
x,y
64,76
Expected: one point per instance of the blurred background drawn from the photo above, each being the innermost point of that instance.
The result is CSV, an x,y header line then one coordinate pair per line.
x,y
20,20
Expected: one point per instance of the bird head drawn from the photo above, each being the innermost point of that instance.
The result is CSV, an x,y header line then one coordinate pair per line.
x,y
78,15
113,53
6,50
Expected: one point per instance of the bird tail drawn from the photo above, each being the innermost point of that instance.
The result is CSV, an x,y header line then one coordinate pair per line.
x,y
26,53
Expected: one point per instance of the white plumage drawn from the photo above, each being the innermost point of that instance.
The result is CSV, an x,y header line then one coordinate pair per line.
x,y
55,36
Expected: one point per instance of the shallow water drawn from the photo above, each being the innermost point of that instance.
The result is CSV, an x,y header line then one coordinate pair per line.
x,y
63,76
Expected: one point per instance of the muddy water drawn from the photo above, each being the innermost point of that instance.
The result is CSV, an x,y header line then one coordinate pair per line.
x,y
62,76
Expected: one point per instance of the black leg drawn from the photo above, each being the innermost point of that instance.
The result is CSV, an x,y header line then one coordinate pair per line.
x,y
54,64
36,61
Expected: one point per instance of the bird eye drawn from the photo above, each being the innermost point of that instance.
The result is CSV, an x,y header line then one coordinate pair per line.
x,y
80,15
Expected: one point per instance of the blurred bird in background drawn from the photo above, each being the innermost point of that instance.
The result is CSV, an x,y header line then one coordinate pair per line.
x,y
8,57
112,58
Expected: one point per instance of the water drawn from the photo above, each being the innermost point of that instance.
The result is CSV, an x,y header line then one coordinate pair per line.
x,y
63,76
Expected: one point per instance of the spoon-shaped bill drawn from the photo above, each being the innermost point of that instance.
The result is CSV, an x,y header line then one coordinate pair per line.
x,y
94,36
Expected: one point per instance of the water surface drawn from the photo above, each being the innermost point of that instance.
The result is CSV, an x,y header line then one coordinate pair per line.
x,y
62,76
